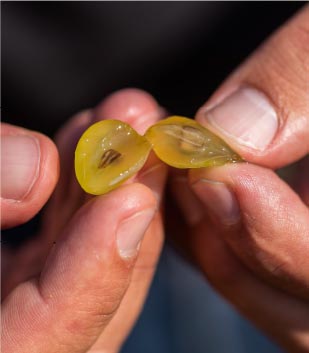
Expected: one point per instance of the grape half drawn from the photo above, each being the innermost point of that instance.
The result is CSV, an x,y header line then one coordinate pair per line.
x,y
108,153
183,143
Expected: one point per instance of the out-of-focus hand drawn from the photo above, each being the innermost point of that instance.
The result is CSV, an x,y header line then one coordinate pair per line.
x,y
247,229
80,284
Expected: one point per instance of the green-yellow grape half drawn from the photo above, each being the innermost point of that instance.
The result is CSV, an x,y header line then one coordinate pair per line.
x,y
183,143
111,151
108,153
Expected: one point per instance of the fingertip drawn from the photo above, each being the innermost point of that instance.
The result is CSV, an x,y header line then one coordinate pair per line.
x,y
93,228
30,170
261,110
267,205
271,235
134,106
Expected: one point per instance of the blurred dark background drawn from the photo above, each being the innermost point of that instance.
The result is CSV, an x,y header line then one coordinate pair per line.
x,y
62,57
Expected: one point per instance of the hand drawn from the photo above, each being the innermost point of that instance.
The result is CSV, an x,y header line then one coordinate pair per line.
x,y
248,230
80,284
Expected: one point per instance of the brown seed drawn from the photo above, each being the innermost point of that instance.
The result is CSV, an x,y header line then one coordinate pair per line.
x,y
108,158
191,139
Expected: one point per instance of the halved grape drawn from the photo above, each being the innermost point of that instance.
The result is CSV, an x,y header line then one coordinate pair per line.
x,y
183,143
108,153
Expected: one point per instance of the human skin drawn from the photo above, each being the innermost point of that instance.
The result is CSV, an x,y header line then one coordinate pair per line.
x,y
84,295
247,230
85,291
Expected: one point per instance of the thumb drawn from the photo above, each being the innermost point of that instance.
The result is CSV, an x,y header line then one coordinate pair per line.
x,y
84,279
262,110
263,221
29,172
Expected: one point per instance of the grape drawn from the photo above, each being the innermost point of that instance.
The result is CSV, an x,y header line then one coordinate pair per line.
x,y
111,151
183,143
108,153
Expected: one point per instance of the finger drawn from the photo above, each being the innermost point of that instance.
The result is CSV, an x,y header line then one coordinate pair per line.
x,y
29,172
131,105
140,110
282,317
262,110
189,204
132,304
84,279
264,222
68,194
28,260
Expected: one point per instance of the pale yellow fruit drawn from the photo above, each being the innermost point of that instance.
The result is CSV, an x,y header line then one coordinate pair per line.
x,y
183,143
108,153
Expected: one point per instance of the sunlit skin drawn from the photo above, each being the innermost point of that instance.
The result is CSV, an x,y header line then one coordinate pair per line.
x,y
68,290
111,151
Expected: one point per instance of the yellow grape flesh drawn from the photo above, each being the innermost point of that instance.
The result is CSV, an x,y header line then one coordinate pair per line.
x,y
108,153
183,143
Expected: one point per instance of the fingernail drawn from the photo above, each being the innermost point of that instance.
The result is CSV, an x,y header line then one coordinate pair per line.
x,y
219,200
247,117
131,231
20,163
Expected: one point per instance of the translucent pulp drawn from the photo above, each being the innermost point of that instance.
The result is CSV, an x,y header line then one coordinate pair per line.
x,y
183,143
108,153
